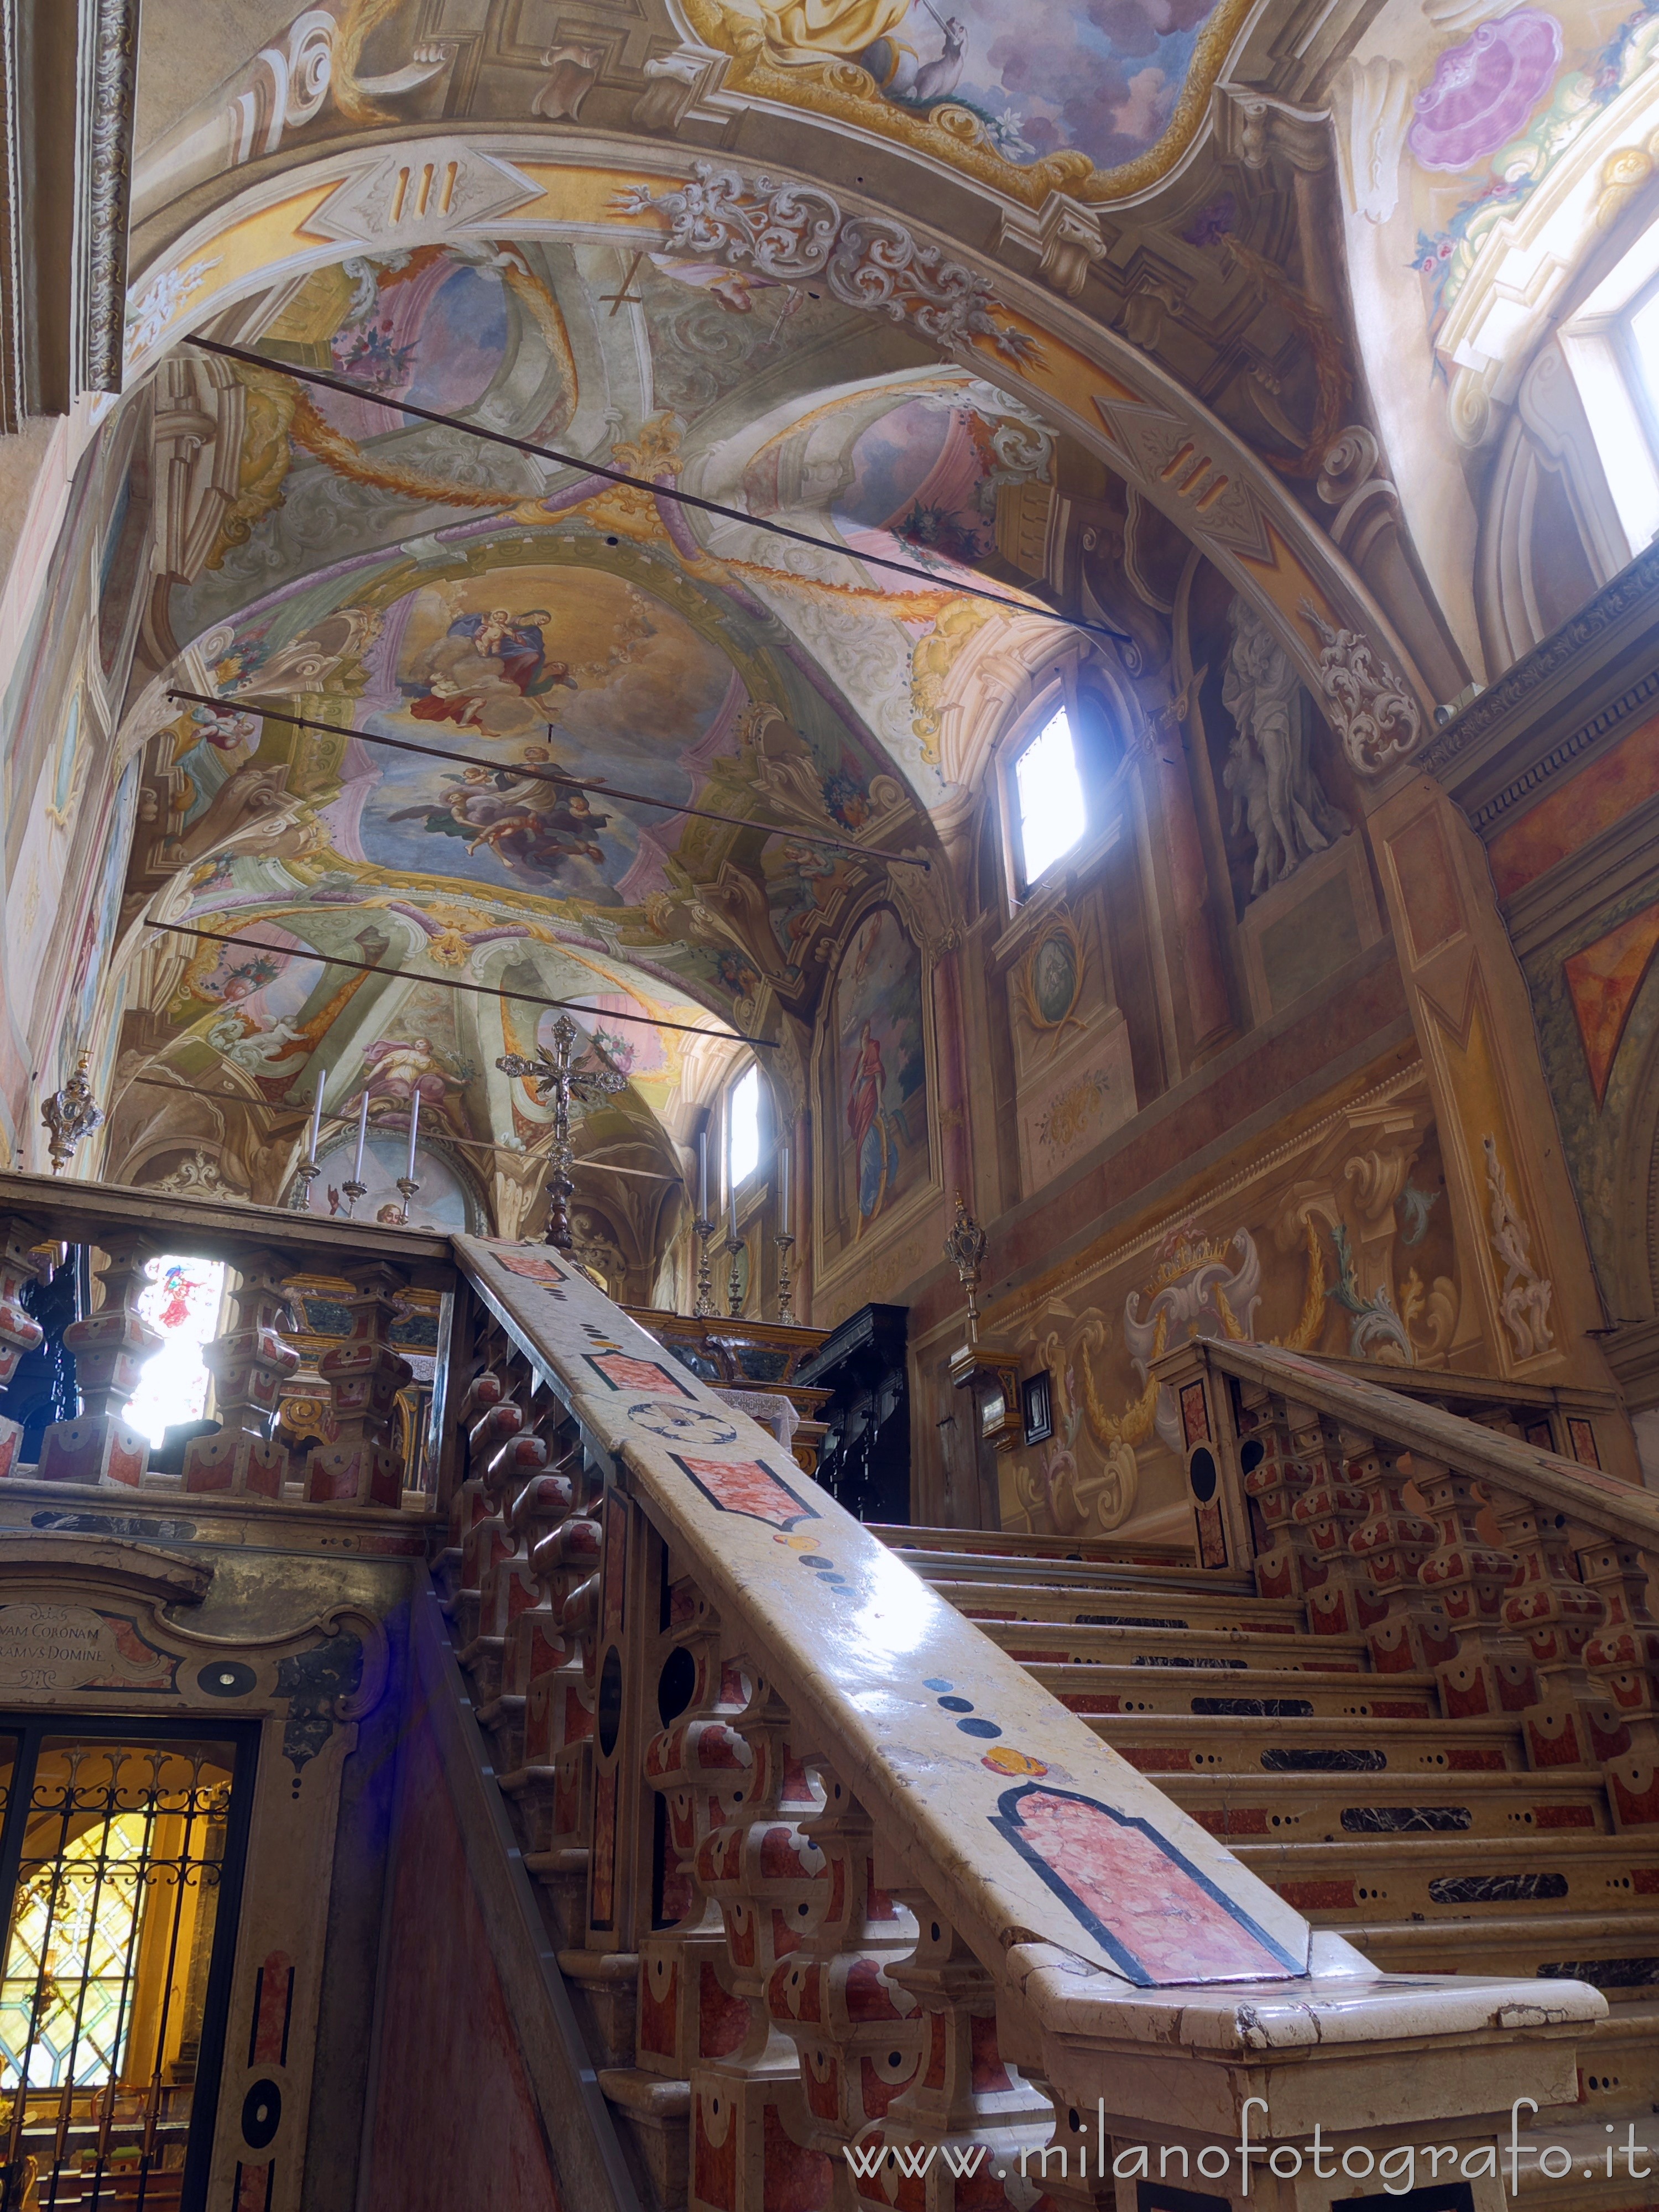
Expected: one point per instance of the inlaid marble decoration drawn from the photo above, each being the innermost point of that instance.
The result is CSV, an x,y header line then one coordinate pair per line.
x,y
962,1758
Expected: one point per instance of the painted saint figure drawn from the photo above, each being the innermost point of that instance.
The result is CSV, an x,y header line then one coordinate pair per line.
x,y
875,1147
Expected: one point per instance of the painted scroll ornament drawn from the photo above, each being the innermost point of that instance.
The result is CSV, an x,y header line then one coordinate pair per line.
x,y
1483,91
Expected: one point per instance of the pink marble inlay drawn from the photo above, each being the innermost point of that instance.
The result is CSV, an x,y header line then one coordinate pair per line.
x,y
749,1488
1161,1920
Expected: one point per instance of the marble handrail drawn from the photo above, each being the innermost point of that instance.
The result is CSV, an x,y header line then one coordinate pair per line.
x,y
1597,1500
1116,1933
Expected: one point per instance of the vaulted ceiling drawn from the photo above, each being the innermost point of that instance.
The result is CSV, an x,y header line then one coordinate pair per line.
x,y
1062,300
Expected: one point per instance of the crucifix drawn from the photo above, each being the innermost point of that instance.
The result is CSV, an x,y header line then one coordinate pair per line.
x,y
557,1082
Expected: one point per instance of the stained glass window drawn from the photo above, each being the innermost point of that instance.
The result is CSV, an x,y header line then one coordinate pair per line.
x,y
108,1951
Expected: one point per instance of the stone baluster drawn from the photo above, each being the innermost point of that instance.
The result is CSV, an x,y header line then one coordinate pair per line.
x,y
249,1365
498,1416
1553,1613
1274,1477
858,2034
750,2127
686,2009
1623,1660
561,1699
516,1599
1491,1672
1329,1510
1406,1630
110,1347
496,1576
364,1374
468,1504
965,2094
21,1262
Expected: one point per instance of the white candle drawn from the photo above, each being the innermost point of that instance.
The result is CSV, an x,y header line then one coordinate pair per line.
x,y
362,1134
702,1175
414,1125
733,1197
783,1190
317,1115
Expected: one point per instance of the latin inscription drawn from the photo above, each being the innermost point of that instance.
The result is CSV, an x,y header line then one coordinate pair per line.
x,y
54,1647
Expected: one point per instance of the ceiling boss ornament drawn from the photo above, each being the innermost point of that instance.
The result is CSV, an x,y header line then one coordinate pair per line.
x,y
557,1083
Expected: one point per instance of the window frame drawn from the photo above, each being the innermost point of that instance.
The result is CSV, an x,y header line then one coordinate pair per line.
x,y
1620,405
1055,691
29,1727
732,1186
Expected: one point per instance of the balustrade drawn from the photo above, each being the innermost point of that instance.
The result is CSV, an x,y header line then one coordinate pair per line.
x,y
253,1364
824,1872
789,1876
1523,1584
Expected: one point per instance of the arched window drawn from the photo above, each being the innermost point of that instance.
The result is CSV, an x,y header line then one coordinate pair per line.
x,y
1050,812
743,1129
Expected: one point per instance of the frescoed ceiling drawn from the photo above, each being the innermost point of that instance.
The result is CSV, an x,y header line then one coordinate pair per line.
x,y
394,579
1057,300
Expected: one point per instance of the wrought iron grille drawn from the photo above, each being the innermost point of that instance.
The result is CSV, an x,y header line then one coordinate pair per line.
x,y
117,1852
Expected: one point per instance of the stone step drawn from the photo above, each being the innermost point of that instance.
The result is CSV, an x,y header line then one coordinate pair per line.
x,y
1467,1876
1401,1808
997,1547
1226,1649
1097,1686
1326,1745
1041,1604
1618,1952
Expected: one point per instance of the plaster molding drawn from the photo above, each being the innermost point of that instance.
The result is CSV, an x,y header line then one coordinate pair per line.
x,y
109,70
1600,641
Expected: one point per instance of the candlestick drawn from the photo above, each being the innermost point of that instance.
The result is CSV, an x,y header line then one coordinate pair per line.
x,y
408,1185
786,1312
734,1281
705,1304
308,1169
414,1126
702,1175
354,1189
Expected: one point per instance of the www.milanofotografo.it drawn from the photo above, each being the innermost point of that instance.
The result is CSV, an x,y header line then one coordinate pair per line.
x,y
1398,2169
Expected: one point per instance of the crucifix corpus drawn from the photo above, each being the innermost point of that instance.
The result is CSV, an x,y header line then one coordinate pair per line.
x,y
557,1082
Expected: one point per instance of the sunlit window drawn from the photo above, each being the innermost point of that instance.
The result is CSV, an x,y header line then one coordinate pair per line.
x,y
743,1132
1052,814
182,1300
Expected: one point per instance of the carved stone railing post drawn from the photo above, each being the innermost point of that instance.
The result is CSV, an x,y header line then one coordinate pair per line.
x,y
964,2095
859,2035
750,2127
1275,1477
1555,1614
22,1261
470,1502
110,1347
1406,1632
547,1670
1491,1672
1328,1512
364,1374
510,1452
249,1365
1622,1659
